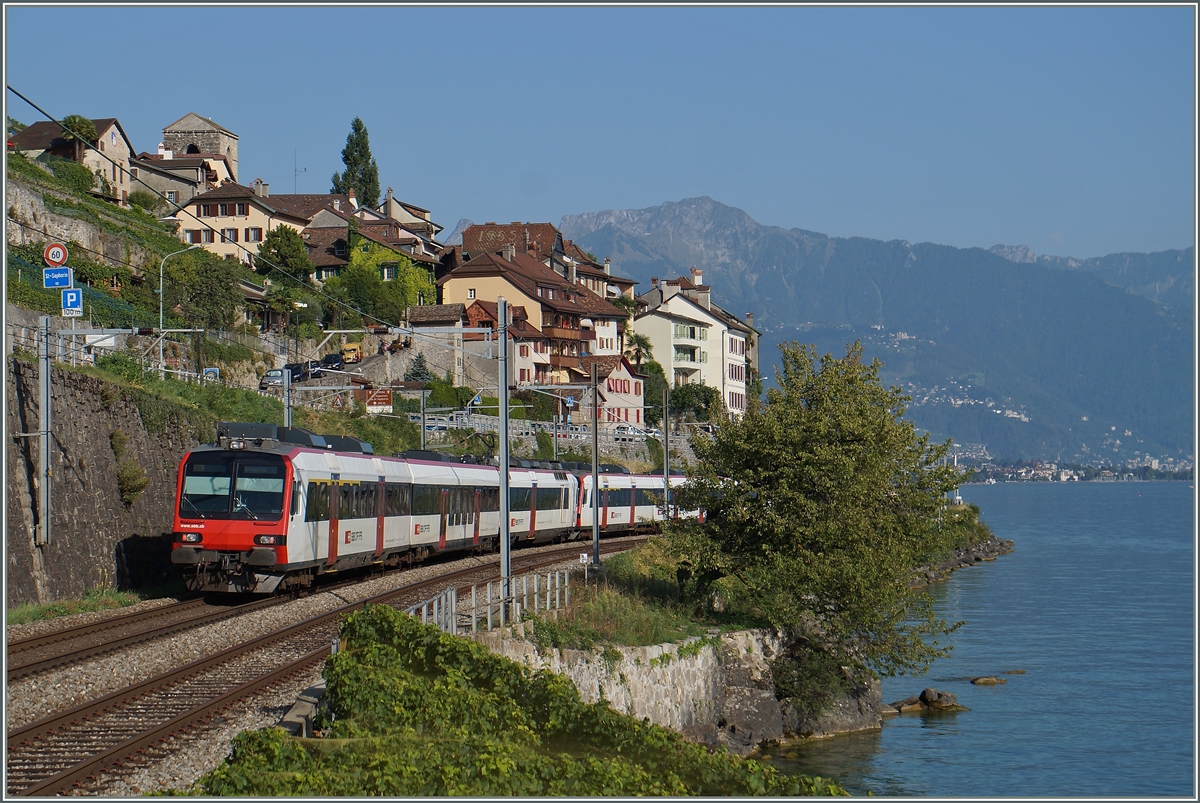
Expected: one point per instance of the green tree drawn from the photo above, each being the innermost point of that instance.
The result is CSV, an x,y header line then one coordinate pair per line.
x,y
821,502
696,402
362,172
419,371
626,304
202,288
283,257
14,125
656,383
80,131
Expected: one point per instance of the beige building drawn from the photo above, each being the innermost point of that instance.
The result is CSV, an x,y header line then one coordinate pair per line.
x,y
696,341
109,159
232,220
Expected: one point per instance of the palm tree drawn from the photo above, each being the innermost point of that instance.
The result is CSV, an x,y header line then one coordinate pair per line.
x,y
78,130
638,347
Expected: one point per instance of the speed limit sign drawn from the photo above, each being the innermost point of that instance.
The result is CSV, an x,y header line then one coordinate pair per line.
x,y
55,255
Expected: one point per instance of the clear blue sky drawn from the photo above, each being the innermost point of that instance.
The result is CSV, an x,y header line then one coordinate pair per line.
x,y
1070,130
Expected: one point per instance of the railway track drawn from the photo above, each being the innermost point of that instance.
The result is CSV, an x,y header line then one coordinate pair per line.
x,y
70,751
80,643
83,642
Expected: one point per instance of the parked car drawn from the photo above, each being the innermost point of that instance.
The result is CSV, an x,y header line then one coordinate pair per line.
x,y
333,361
352,352
624,432
272,378
299,371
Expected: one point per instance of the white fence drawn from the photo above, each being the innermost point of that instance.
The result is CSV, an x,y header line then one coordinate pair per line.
x,y
490,607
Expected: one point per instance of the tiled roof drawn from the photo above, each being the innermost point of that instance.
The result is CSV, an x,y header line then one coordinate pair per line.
x,y
527,273
488,237
520,329
48,135
306,205
322,247
441,314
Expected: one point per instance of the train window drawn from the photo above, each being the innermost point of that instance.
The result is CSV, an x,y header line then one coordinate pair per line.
x,y
296,486
206,482
518,499
648,498
548,498
397,499
347,500
427,500
366,501
317,508
258,492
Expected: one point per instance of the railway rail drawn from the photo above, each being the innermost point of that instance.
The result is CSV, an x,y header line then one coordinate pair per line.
x,y
71,750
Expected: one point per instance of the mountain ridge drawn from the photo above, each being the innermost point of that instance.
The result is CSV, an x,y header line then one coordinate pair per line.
x,y
1054,343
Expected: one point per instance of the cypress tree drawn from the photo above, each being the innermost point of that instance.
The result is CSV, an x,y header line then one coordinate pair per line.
x,y
362,172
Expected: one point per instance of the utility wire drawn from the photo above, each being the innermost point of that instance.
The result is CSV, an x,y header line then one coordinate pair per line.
x,y
184,210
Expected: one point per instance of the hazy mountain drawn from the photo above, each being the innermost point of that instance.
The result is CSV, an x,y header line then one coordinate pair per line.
x,y
1167,277
455,237
1025,356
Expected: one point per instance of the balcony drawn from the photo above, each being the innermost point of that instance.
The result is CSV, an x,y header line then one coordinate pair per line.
x,y
564,361
560,333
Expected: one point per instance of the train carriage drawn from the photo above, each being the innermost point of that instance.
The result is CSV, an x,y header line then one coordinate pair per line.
x,y
271,508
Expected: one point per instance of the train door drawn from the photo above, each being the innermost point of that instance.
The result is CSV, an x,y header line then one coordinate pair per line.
x,y
533,509
443,507
334,502
380,494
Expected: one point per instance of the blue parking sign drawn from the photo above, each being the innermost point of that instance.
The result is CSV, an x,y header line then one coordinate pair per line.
x,y
72,302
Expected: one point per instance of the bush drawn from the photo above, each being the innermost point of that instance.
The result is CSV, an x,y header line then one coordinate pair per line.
x,y
144,199
75,176
420,712
123,365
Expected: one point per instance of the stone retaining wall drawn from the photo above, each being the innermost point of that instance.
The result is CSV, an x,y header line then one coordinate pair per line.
x,y
719,692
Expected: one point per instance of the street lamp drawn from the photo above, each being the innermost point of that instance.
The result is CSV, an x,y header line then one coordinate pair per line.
x,y
162,373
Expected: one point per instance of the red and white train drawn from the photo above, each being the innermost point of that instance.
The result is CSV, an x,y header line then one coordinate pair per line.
x,y
271,508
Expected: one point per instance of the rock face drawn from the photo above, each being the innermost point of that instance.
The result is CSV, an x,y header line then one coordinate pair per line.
x,y
717,692
859,709
963,557
97,540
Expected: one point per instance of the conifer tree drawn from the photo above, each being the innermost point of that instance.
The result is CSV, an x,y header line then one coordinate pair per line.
x,y
362,172
419,370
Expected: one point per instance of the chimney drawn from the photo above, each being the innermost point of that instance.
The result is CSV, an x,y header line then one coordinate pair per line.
x,y
607,266
571,275
509,252
353,202
258,187
697,276
337,204
750,319
387,201
527,240
163,152
654,281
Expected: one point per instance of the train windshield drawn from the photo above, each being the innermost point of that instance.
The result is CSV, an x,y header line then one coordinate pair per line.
x,y
227,485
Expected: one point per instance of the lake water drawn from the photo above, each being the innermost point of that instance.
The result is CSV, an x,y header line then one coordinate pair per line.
x,y
1096,605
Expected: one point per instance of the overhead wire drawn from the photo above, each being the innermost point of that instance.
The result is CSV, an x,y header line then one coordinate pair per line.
x,y
184,210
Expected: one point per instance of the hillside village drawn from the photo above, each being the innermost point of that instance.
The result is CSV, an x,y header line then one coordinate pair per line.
x,y
569,309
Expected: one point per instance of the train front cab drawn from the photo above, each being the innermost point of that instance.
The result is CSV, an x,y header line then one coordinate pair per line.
x,y
231,522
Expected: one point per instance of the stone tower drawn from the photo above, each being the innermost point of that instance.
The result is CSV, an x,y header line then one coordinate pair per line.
x,y
195,134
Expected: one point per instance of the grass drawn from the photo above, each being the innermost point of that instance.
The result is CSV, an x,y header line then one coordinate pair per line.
x,y
637,606
97,599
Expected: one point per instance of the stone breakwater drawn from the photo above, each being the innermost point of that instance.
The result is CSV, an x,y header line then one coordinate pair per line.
x,y
963,557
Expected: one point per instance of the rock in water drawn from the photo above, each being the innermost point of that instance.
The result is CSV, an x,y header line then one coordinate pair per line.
x,y
988,681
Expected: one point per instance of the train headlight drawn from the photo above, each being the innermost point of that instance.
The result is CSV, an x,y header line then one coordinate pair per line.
x,y
237,444
270,540
191,538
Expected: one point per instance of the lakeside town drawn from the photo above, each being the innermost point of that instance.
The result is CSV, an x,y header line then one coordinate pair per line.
x,y
569,311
